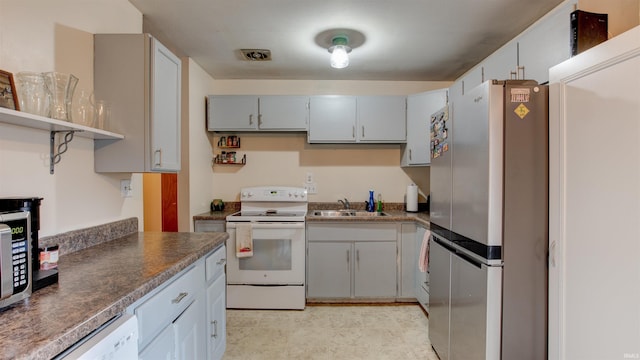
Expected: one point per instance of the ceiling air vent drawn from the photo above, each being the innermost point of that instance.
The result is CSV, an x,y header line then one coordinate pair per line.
x,y
256,54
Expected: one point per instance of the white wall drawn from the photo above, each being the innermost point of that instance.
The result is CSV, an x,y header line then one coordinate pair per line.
x,y
200,153
56,35
340,170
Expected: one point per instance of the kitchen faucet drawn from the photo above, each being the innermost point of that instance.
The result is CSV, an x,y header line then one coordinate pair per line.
x,y
345,203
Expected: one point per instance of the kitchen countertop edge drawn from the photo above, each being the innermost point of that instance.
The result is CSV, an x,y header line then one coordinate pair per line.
x,y
32,318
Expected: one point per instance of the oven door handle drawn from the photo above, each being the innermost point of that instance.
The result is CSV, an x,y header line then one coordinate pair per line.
x,y
261,225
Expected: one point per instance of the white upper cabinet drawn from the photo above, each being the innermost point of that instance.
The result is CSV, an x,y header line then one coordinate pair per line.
x,y
420,107
468,81
381,119
546,44
141,80
232,112
332,119
500,64
165,109
349,119
283,113
255,113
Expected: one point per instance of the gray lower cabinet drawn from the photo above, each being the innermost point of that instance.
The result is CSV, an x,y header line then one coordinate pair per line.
x,y
409,261
179,319
329,269
375,269
352,260
209,226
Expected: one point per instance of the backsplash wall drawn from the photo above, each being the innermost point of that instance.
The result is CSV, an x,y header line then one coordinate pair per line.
x,y
339,170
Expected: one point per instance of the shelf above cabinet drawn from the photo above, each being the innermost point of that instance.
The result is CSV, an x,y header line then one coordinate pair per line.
x,y
20,118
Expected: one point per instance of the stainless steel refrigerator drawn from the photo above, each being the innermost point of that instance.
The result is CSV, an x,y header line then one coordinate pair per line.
x,y
489,223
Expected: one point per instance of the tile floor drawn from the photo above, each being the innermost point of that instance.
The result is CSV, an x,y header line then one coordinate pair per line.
x,y
331,332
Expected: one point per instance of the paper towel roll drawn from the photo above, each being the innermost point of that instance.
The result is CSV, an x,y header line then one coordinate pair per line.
x,y
412,198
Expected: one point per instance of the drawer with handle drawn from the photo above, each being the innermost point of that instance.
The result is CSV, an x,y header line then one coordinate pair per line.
x,y
215,263
163,307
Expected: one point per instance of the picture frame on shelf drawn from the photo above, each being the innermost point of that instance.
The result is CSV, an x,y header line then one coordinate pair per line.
x,y
8,94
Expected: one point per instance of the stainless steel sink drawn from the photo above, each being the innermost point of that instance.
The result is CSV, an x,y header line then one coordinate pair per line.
x,y
339,213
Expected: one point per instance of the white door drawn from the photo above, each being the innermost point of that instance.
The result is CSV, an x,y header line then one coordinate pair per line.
x,y
594,204
165,109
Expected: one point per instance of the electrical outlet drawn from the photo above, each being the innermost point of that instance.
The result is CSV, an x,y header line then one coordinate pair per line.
x,y
312,188
125,188
309,178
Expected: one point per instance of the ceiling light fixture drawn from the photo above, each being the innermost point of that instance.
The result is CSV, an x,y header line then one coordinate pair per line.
x,y
339,52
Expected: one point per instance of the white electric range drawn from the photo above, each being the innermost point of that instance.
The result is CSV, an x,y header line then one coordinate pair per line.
x,y
273,277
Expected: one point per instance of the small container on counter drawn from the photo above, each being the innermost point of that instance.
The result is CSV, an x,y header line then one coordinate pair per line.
x,y
49,257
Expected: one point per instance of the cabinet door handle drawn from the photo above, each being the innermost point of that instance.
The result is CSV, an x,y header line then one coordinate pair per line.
x,y
259,119
353,131
179,298
410,155
158,156
348,259
363,131
250,119
358,259
215,329
221,261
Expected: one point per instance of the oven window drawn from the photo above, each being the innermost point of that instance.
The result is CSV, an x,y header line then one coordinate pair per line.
x,y
268,254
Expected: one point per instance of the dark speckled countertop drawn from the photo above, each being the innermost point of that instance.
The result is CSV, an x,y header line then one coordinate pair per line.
x,y
96,284
393,211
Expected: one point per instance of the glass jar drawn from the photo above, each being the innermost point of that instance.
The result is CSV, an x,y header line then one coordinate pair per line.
x,y
103,113
61,86
84,113
33,95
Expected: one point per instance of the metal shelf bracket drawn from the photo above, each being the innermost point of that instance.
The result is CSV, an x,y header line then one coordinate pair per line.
x,y
62,147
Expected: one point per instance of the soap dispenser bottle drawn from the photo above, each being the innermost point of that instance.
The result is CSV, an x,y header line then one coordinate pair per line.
x,y
371,204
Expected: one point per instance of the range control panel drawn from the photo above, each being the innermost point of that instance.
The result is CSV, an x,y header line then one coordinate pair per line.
x,y
274,194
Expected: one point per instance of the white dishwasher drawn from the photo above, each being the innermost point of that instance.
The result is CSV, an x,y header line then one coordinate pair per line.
x,y
117,339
